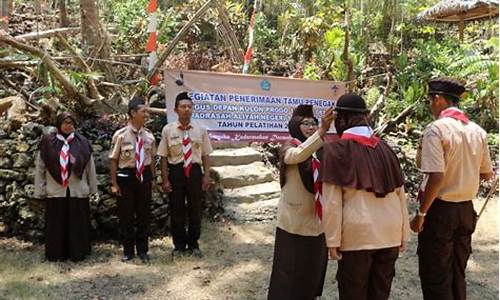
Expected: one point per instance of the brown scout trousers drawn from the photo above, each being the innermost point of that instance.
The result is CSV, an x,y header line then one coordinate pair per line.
x,y
366,274
444,247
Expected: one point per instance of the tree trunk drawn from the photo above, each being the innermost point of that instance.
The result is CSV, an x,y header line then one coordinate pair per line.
x,y
345,54
95,39
63,14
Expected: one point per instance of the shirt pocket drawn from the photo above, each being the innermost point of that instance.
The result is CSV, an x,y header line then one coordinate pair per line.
x,y
148,147
197,144
175,147
127,153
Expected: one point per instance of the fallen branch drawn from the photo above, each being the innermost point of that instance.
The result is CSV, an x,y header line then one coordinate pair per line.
x,y
391,124
177,38
233,42
156,111
47,33
93,91
13,64
5,104
379,105
67,86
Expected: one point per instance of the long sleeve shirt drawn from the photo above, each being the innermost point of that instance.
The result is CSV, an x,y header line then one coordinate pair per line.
x,y
296,213
47,187
357,220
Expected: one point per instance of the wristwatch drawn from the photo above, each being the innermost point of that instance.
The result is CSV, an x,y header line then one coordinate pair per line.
x,y
420,214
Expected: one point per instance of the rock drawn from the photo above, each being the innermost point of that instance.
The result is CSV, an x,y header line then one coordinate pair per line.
x,y
252,193
49,130
250,212
241,156
11,175
5,163
97,148
243,175
3,228
109,203
101,161
32,130
22,147
5,146
29,190
22,160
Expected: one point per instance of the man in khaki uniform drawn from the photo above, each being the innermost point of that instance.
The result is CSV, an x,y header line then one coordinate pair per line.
x,y
184,148
132,175
454,157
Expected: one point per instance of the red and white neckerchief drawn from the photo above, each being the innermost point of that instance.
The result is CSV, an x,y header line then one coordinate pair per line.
x,y
64,158
317,188
361,134
317,183
187,150
139,157
455,113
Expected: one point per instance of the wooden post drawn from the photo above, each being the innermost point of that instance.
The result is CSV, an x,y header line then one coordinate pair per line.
x,y
461,26
4,15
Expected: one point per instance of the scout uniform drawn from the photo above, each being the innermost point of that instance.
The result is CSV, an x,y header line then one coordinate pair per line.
x,y
458,148
134,204
365,213
185,186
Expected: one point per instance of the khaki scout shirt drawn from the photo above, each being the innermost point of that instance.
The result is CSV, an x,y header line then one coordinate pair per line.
x,y
171,143
123,146
458,150
296,208
358,220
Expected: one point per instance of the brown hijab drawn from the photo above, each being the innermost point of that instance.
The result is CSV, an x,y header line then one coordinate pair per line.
x,y
50,147
305,168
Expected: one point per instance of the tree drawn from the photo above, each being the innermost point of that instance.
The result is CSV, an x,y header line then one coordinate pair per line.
x,y
95,40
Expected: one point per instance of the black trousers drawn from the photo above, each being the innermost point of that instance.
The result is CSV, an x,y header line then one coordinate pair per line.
x,y
299,266
366,274
134,210
182,211
444,246
67,226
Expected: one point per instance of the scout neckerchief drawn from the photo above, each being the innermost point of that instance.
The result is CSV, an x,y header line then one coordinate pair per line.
x,y
64,157
361,134
139,157
317,184
186,149
455,113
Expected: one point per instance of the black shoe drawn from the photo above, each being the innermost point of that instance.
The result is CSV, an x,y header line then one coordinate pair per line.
x,y
197,253
178,252
126,258
144,258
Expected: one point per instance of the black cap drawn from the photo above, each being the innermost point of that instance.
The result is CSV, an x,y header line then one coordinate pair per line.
x,y
351,102
303,110
182,96
446,86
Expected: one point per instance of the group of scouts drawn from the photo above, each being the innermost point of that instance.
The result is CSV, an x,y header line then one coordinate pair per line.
x,y
66,174
342,196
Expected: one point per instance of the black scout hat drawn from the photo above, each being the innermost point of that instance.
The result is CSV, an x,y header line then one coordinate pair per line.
x,y
303,110
446,86
351,102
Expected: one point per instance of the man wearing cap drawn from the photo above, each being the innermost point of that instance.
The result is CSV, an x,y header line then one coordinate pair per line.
x,y
454,157
132,174
365,215
184,148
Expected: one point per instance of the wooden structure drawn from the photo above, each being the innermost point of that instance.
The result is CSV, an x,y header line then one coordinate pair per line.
x,y
460,11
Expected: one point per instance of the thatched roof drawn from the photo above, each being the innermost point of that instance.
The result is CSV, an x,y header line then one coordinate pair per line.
x,y
455,10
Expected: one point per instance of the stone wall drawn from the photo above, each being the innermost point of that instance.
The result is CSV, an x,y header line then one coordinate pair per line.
x,y
23,216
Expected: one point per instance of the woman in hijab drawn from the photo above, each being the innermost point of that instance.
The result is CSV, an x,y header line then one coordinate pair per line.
x,y
300,253
65,178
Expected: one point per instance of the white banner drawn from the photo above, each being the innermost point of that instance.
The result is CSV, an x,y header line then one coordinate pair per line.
x,y
247,108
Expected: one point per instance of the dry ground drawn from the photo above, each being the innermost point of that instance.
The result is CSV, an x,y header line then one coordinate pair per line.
x,y
237,264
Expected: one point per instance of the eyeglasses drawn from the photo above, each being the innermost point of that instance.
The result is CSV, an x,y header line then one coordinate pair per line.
x,y
309,123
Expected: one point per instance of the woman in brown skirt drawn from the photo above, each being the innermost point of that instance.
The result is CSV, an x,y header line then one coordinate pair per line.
x,y
300,253
65,178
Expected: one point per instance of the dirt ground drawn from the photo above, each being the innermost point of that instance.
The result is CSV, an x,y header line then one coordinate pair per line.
x,y
237,265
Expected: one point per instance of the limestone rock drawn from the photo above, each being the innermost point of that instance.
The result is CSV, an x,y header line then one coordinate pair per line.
x,y
243,175
241,156
253,193
22,160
